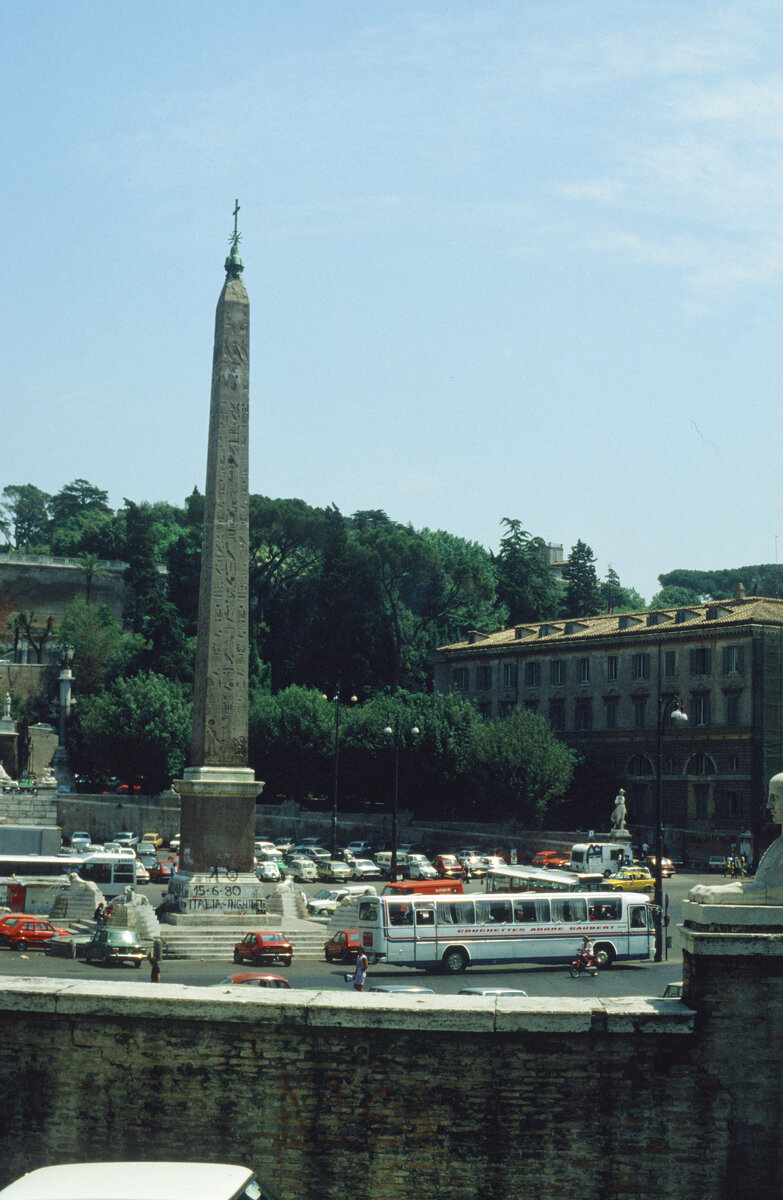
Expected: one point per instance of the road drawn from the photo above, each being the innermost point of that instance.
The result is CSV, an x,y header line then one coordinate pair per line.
x,y
631,979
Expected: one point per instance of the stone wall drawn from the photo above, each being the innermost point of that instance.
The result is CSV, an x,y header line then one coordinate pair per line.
x,y
328,1094
107,814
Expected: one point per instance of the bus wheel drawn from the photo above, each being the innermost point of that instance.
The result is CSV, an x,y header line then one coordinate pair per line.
x,y
454,961
605,955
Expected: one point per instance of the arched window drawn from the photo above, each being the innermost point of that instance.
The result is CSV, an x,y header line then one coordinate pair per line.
x,y
639,764
701,764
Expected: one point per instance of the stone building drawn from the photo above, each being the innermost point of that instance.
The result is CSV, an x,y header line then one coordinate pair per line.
x,y
601,682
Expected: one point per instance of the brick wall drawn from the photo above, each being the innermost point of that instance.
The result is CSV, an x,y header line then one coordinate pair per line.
x,y
331,1094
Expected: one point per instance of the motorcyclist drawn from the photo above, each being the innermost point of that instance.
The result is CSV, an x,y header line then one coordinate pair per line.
x,y
587,953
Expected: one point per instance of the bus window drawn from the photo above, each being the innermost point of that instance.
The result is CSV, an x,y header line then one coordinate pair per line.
x,y
425,916
605,910
570,909
497,912
638,916
96,873
368,910
400,914
456,912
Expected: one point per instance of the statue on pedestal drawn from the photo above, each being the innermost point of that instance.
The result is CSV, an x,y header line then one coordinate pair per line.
x,y
767,885
618,816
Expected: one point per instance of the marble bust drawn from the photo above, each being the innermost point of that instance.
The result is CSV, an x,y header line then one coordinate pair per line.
x,y
767,885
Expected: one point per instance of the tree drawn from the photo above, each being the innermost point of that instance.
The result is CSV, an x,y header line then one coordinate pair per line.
x,y
583,595
24,516
102,649
617,598
525,584
139,729
522,766
76,498
144,585
675,597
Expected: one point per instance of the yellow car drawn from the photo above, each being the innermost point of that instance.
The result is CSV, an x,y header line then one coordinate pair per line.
x,y
632,879
155,838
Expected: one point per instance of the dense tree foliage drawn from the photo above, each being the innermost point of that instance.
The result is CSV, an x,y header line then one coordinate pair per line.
x,y
525,584
765,579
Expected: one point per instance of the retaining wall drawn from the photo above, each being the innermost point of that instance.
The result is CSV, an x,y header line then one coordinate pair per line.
x,y
330,1094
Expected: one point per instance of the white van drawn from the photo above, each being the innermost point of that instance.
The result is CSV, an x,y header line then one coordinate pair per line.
x,y
603,857
138,1181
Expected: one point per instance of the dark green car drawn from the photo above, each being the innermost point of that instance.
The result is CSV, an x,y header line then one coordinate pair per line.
x,y
109,946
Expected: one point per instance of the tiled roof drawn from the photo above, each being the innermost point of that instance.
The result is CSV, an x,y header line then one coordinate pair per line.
x,y
757,610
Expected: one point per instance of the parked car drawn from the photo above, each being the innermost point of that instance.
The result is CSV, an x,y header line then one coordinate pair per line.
x,y
302,869
268,872
142,874
175,842
331,868
672,991
316,854
417,867
145,1180
30,933
72,945
717,864
254,979
360,849
343,946
631,879
552,858
491,991
154,838
448,866
365,868
328,900
79,839
161,872
264,946
126,837
110,946
404,988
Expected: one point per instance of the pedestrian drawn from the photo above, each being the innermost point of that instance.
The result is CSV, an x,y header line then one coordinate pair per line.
x,y
98,915
155,972
362,963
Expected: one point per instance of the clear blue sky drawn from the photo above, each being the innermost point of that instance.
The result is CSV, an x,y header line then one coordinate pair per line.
x,y
508,258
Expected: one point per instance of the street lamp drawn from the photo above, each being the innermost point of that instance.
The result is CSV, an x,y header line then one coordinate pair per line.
x,y
336,703
669,708
395,733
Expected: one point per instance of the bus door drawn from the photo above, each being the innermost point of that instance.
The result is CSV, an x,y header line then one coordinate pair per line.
x,y
400,934
425,945
640,927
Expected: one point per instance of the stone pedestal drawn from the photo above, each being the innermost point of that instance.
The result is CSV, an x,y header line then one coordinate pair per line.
x,y
733,978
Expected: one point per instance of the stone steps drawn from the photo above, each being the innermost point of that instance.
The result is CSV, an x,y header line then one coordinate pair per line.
x,y
205,942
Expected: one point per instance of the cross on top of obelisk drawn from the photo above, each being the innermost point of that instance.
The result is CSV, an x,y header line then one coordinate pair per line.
x,y
234,264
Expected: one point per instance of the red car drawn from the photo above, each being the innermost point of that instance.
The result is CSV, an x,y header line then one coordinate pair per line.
x,y
551,858
254,979
343,947
161,871
447,866
264,947
29,932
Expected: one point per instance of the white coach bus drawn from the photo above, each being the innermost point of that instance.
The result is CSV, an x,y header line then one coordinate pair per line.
x,y
450,933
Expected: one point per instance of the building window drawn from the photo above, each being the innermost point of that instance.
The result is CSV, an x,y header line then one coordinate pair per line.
x,y
734,764
611,712
641,666
669,663
640,765
700,660
700,708
557,671
732,659
531,706
733,803
701,764
584,714
700,794
557,714
533,674
733,708
505,708
461,678
484,678
640,712
611,667
509,675
583,670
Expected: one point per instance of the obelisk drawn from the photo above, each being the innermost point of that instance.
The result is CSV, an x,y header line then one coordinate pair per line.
x,y
219,790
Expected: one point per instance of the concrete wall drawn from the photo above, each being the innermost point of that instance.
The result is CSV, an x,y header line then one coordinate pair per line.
x,y
328,1094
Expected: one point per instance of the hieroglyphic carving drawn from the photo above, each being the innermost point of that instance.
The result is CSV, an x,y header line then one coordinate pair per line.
x,y
220,700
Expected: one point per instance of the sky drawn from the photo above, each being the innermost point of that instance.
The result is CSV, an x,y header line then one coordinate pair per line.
x,y
512,258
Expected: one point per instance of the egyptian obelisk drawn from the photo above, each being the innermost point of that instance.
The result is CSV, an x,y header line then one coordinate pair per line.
x,y
219,790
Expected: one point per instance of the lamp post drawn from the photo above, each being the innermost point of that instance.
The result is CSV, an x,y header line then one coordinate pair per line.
x,y
669,708
336,703
395,733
